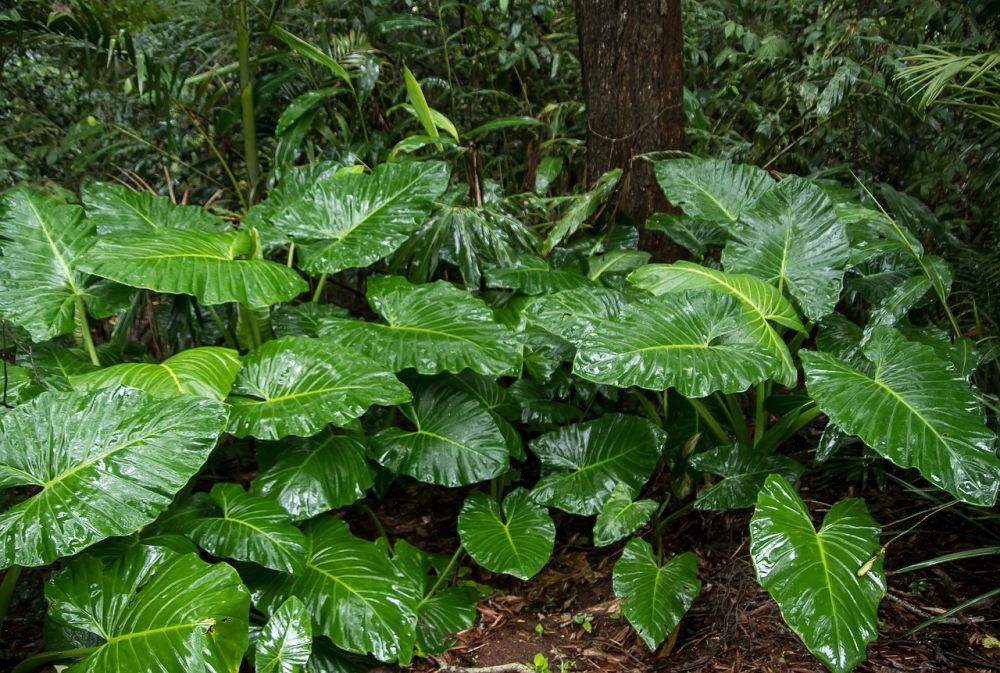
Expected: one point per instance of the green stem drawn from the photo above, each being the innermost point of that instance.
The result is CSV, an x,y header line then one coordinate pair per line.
x,y
319,289
7,590
378,524
251,320
442,577
447,59
781,431
291,254
738,420
31,663
246,97
759,420
83,327
226,334
709,420
649,408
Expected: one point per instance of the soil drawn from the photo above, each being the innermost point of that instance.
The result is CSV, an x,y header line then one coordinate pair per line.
x,y
569,615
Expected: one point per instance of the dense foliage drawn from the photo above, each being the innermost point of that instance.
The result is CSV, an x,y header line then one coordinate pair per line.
x,y
310,250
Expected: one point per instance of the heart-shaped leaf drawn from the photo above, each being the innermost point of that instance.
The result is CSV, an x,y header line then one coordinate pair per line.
x,y
697,341
518,543
455,440
583,463
311,476
304,319
432,328
620,516
198,372
356,596
743,470
285,644
583,206
250,528
213,267
919,412
116,209
572,314
713,190
350,220
298,385
792,238
694,234
150,604
762,303
654,597
533,275
41,241
104,464
818,579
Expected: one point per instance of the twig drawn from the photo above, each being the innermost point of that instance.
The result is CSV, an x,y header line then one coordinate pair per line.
x,y
499,668
924,614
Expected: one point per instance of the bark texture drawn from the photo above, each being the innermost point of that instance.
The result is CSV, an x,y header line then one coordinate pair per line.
x,y
632,57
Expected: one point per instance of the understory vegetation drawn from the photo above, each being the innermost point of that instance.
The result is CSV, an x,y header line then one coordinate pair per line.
x,y
349,246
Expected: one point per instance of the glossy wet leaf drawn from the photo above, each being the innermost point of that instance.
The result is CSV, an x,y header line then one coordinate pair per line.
x,y
697,341
101,465
582,464
432,328
198,372
151,604
518,541
311,476
743,470
615,262
583,206
694,234
621,516
116,209
353,592
285,644
713,190
572,314
249,528
793,239
763,304
297,385
533,275
305,319
213,267
42,239
920,412
350,219
654,597
455,440
815,577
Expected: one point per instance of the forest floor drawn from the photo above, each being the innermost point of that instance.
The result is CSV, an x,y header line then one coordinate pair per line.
x,y
568,612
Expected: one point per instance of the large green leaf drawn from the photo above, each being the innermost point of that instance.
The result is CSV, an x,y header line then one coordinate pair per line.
x,y
533,275
304,319
153,609
350,220
517,543
100,465
793,238
713,190
432,328
297,385
213,267
455,440
199,372
116,209
695,235
285,644
572,314
311,476
249,528
583,206
762,303
41,241
827,590
294,186
654,597
620,516
697,341
743,470
582,463
356,596
912,407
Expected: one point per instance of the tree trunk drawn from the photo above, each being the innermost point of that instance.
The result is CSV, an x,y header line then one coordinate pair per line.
x,y
632,57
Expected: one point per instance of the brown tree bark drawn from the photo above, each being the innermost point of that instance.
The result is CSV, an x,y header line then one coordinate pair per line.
x,y
632,54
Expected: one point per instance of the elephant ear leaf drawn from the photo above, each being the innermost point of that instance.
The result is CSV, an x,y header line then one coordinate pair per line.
x,y
42,239
198,372
743,470
153,604
654,597
920,412
713,190
102,465
285,644
116,209
826,583
214,267
519,542
620,516
250,528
